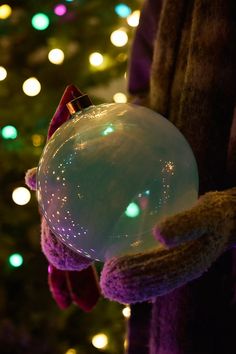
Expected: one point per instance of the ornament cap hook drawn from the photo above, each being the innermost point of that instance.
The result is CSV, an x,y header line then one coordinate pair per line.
x,y
79,103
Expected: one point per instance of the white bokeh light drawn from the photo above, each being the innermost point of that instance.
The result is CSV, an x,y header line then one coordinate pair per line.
x,y
96,59
100,341
21,196
31,86
126,312
119,38
133,19
56,56
119,97
3,73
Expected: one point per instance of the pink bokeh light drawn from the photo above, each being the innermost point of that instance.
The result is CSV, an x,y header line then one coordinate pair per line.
x,y
60,9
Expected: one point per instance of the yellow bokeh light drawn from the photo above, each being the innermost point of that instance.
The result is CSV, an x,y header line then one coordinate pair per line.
x,y
3,73
21,195
96,59
56,56
71,351
133,19
119,38
100,341
31,87
5,11
37,140
119,97
126,312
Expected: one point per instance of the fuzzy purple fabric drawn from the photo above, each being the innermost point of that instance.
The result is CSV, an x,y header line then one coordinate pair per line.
x,y
30,178
58,254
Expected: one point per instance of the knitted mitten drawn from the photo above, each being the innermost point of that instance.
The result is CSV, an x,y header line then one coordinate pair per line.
x,y
71,277
191,242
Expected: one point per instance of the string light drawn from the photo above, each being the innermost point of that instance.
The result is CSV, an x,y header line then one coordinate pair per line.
x,y
120,97
119,38
37,140
56,56
31,87
96,59
133,19
21,196
3,73
132,210
60,9
40,21
71,351
15,260
5,11
9,132
122,10
100,341
126,312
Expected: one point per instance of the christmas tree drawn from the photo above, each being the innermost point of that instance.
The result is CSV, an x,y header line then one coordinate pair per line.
x,y
44,47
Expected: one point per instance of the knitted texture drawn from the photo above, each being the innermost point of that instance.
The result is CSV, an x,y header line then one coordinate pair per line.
x,y
204,233
30,178
58,254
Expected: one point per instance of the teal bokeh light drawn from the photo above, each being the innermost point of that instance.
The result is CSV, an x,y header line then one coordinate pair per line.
x,y
9,132
40,21
16,260
122,10
132,210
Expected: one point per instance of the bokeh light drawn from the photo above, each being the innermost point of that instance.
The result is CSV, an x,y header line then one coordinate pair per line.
x,y
119,97
122,10
96,59
40,21
119,38
16,260
126,312
31,86
5,11
71,351
133,19
100,341
132,210
56,56
37,140
3,73
9,132
60,9
21,196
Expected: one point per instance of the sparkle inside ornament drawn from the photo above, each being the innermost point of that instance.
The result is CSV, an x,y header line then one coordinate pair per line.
x,y
109,174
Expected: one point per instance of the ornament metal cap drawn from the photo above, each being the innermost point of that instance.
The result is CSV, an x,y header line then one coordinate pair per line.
x,y
79,103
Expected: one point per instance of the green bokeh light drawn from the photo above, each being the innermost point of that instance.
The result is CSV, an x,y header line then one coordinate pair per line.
x,y
108,130
132,210
9,132
16,260
40,21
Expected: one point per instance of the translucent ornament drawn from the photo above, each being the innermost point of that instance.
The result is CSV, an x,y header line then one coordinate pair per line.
x,y
109,174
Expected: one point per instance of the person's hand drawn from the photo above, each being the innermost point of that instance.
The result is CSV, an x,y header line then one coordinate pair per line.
x,y
191,242
71,277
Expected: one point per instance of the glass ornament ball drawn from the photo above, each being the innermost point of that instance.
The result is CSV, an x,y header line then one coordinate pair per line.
x,y
109,174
